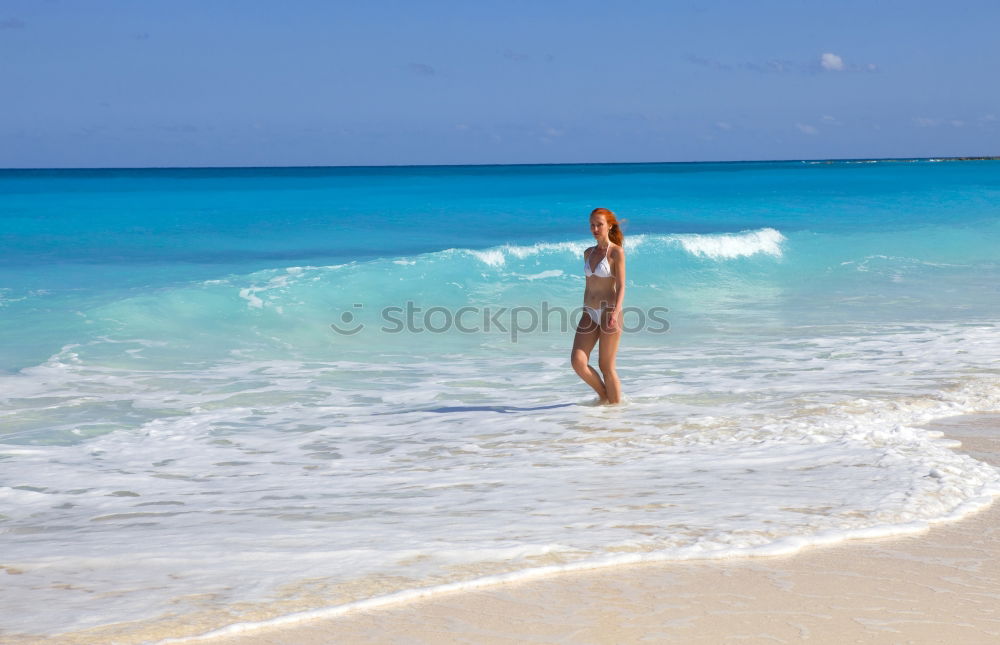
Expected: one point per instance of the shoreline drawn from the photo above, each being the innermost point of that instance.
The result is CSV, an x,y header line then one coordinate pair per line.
x,y
929,586
835,591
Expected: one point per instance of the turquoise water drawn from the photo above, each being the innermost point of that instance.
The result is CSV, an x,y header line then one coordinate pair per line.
x,y
171,378
77,239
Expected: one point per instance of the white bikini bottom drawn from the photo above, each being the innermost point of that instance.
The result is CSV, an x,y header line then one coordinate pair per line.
x,y
595,314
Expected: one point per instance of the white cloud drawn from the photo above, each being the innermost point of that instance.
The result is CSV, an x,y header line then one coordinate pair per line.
x,y
957,123
828,61
831,62
805,128
724,125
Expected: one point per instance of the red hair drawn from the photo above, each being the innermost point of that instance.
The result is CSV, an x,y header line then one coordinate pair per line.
x,y
614,226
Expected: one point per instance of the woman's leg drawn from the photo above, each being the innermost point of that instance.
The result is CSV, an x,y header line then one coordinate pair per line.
x,y
587,334
606,355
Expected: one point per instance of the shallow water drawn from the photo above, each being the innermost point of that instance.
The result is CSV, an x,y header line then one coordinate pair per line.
x,y
185,433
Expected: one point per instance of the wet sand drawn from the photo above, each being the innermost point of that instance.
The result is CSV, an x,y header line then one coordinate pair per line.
x,y
939,586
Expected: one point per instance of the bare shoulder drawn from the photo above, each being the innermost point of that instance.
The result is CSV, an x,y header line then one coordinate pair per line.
x,y
586,251
617,252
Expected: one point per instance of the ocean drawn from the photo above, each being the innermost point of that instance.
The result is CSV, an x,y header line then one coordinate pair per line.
x,y
236,395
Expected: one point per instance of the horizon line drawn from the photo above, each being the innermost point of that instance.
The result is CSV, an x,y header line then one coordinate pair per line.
x,y
504,165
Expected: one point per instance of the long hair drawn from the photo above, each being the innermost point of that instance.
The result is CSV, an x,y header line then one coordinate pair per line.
x,y
614,226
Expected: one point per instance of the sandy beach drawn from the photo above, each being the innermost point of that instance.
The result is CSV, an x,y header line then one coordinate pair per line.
x,y
939,586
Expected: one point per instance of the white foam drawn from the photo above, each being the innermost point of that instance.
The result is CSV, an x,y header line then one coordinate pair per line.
x,y
552,273
716,246
728,245
497,257
241,478
249,294
275,282
491,257
783,546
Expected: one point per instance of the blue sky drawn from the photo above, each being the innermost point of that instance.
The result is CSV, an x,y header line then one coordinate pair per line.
x,y
249,83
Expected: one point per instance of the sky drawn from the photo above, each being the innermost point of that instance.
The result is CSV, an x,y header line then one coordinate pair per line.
x,y
154,83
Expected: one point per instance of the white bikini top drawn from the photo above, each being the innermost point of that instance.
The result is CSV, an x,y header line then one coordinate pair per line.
x,y
603,269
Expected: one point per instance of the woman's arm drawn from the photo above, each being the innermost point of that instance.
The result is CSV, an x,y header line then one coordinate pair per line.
x,y
615,319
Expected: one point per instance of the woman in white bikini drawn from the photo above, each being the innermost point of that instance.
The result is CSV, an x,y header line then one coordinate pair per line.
x,y
604,268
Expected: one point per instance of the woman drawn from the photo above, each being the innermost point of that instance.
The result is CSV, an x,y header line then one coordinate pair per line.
x,y
604,268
